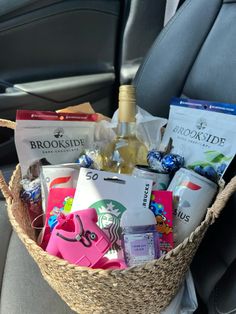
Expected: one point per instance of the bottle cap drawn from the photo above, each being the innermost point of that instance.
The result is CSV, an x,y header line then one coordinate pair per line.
x,y
138,216
127,103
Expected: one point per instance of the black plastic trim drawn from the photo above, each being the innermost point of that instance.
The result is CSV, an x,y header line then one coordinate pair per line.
x,y
110,8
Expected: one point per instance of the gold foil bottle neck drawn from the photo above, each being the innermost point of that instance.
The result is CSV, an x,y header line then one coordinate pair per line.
x,y
127,103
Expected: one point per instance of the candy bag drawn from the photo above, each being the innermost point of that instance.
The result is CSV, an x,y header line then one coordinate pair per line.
x,y
57,137
204,133
161,206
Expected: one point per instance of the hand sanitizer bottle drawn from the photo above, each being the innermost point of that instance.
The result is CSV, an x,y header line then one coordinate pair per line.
x,y
140,239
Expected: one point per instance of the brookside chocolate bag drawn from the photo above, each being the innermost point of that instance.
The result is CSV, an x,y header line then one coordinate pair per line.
x,y
56,137
204,133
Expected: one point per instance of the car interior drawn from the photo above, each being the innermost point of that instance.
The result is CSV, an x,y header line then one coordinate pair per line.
x,y
56,53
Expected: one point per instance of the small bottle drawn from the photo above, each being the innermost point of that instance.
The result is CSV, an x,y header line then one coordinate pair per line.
x,y
140,240
126,151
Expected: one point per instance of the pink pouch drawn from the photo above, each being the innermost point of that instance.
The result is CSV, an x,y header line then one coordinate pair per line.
x,y
77,238
162,206
59,202
105,263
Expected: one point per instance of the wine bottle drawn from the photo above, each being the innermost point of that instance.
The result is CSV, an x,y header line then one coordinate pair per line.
x,y
126,150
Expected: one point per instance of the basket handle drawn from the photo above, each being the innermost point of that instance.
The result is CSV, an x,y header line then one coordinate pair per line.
x,y
7,124
3,185
222,198
5,188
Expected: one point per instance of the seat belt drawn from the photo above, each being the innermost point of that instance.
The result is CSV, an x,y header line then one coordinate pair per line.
x,y
171,8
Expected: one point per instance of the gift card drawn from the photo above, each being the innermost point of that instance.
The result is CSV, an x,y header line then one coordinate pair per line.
x,y
111,194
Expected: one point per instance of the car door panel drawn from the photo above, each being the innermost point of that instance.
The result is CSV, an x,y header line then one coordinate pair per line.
x,y
55,93
59,40
65,89
62,41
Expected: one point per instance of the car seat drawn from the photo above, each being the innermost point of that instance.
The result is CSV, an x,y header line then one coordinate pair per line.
x,y
194,56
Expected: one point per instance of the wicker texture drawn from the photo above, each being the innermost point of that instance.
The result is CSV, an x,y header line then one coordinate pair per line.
x,y
147,288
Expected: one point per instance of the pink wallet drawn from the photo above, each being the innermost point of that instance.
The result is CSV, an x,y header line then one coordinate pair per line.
x,y
78,239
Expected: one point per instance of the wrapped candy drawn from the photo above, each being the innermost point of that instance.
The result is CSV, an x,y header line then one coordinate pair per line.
x,y
172,162
85,161
31,195
154,158
164,163
31,190
91,158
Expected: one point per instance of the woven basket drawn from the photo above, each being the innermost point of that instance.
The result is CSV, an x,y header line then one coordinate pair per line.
x,y
147,288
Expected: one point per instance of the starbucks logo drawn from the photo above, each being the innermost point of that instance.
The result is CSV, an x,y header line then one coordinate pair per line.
x,y
109,213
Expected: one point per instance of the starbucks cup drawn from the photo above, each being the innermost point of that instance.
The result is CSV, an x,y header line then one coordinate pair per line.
x,y
160,180
195,193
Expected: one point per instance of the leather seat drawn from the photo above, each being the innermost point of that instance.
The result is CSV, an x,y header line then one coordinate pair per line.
x,y
194,56
22,288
